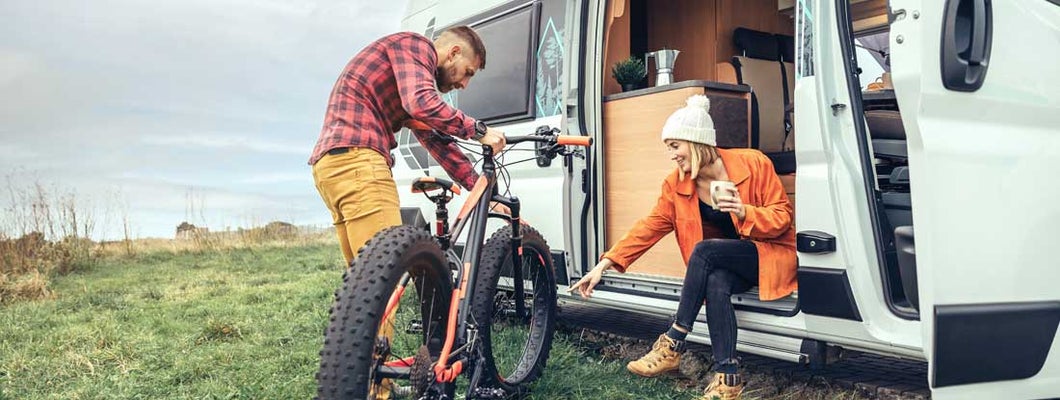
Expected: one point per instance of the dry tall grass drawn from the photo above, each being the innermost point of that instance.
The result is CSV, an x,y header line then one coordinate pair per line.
x,y
46,231
200,242
43,231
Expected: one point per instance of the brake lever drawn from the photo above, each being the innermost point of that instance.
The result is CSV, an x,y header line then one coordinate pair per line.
x,y
576,152
445,139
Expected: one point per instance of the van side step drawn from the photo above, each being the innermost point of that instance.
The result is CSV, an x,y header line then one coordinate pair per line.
x,y
670,289
611,311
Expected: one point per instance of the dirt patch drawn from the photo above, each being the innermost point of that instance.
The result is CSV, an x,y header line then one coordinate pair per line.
x,y
696,369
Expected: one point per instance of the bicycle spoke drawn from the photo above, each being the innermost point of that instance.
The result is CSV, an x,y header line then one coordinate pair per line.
x,y
402,342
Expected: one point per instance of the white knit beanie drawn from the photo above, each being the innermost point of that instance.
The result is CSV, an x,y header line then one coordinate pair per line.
x,y
692,122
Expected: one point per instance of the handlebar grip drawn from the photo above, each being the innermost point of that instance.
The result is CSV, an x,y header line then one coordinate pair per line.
x,y
417,125
574,140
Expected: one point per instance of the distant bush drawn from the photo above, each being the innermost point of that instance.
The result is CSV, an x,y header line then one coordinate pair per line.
x,y
27,263
43,232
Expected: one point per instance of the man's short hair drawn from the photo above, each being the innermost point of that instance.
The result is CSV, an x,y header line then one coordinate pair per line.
x,y
469,36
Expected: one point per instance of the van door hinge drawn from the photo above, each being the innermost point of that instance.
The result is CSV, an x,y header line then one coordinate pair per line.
x,y
837,107
895,15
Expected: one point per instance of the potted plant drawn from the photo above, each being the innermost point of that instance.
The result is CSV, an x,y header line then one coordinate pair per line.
x,y
629,73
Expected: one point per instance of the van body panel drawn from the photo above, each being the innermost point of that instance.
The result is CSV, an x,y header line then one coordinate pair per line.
x,y
983,195
831,190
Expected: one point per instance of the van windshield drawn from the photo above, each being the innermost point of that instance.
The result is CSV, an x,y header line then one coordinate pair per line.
x,y
873,53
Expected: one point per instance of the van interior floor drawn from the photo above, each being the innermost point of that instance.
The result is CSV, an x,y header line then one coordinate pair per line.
x,y
873,375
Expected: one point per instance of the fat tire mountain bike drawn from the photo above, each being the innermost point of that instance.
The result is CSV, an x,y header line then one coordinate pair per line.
x,y
411,317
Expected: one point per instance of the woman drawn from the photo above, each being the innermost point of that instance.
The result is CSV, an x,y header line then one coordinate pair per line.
x,y
742,240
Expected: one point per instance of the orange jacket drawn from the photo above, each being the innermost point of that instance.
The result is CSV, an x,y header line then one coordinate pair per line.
x,y
768,221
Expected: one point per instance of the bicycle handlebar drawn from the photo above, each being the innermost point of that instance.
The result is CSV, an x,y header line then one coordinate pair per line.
x,y
566,140
584,141
563,140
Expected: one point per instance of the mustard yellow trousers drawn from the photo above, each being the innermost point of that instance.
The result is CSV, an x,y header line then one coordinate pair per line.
x,y
359,190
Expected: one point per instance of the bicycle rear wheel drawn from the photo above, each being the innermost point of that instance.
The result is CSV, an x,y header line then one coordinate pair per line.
x,y
367,355
515,348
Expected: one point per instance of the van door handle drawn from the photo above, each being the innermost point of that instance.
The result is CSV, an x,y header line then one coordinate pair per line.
x,y
979,31
966,41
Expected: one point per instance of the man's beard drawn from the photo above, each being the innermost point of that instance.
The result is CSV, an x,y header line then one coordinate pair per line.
x,y
441,80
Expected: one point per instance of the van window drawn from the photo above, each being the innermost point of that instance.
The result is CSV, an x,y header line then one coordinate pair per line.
x,y
504,90
548,96
873,55
804,15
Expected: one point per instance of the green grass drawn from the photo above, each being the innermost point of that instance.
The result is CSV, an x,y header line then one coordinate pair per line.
x,y
243,324
572,373
239,324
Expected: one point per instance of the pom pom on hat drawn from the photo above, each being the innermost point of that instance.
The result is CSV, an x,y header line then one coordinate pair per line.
x,y
691,122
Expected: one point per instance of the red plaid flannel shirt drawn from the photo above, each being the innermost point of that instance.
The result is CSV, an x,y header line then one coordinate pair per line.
x,y
383,87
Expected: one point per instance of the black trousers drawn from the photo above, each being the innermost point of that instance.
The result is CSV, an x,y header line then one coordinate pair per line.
x,y
717,269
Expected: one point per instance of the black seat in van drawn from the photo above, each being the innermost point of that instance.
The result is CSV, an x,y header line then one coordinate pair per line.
x,y
761,66
885,125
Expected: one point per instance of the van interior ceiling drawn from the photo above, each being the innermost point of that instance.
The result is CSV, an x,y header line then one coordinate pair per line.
x,y
741,54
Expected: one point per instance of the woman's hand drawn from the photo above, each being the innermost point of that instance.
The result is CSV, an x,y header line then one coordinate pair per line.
x,y
590,280
732,204
500,208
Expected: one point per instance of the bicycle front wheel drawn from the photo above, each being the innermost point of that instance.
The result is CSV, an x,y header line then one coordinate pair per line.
x,y
372,354
515,347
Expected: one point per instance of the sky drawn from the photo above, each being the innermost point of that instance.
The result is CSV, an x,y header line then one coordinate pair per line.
x,y
161,112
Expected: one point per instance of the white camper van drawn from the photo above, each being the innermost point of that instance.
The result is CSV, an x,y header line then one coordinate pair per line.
x,y
880,116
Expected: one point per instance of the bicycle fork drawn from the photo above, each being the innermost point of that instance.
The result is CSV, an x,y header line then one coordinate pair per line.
x,y
516,252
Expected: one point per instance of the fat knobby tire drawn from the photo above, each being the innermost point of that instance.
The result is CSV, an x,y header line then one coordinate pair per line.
x,y
346,359
495,253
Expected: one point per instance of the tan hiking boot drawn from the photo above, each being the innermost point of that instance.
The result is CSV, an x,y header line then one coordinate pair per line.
x,y
661,359
724,389
381,391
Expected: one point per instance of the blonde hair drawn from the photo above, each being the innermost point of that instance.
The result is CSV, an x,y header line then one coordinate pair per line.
x,y
699,155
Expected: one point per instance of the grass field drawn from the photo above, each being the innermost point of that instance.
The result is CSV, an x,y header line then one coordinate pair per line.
x,y
243,323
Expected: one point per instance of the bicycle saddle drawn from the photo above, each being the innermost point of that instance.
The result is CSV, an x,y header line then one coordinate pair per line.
x,y
429,183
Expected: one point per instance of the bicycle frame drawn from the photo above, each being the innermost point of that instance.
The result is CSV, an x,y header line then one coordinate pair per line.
x,y
477,208
476,211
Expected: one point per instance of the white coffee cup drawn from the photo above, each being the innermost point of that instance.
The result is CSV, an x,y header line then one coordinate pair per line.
x,y
721,188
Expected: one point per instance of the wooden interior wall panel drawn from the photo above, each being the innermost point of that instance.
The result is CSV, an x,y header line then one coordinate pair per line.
x,y
688,26
617,45
636,165
868,9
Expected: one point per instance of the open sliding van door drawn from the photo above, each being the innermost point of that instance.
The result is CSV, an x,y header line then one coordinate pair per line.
x,y
976,81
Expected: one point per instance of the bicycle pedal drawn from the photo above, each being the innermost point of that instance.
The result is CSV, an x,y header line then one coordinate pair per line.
x,y
494,393
414,327
401,391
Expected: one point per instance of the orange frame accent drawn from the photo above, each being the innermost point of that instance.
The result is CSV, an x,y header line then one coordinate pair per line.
x,y
442,372
472,199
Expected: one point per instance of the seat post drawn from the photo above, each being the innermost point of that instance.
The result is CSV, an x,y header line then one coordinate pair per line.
x,y
441,223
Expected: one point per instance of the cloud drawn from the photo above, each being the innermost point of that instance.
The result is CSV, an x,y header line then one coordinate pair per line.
x,y
222,97
226,141
276,178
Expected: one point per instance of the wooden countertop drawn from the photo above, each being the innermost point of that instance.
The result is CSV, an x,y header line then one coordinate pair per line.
x,y
720,86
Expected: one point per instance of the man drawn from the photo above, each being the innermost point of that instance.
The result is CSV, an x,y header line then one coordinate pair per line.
x,y
391,82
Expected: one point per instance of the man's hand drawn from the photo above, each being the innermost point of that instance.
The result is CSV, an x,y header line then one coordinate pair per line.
x,y
495,139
